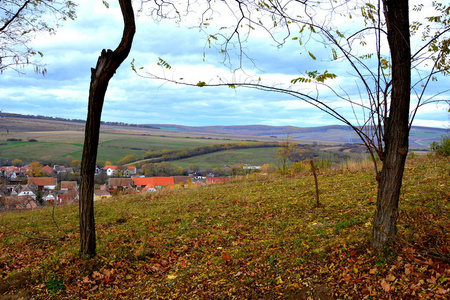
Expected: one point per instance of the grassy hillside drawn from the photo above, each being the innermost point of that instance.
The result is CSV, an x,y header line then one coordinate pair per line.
x,y
256,238
61,141
51,143
256,157
112,146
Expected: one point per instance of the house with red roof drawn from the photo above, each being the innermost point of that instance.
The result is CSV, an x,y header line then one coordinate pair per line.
x,y
68,192
26,190
130,170
156,183
120,183
13,174
140,182
69,185
44,183
48,170
114,170
111,170
68,196
62,169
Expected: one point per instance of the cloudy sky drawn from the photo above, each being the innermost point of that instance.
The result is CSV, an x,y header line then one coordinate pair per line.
x,y
73,51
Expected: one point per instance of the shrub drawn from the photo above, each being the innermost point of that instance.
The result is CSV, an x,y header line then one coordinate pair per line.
x,y
442,147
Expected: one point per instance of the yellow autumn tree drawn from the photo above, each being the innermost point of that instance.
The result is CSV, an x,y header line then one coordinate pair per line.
x,y
35,169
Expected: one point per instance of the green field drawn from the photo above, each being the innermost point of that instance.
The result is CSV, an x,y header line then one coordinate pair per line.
x,y
256,157
36,150
61,142
158,143
57,145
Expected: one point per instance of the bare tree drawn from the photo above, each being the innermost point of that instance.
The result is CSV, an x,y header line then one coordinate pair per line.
x,y
107,64
20,20
382,115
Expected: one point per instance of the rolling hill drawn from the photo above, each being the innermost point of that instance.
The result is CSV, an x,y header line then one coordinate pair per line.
x,y
420,137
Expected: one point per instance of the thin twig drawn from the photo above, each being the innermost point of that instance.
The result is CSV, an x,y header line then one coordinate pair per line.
x,y
54,221
29,236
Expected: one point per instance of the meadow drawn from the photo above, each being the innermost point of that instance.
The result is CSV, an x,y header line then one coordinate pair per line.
x,y
60,142
258,237
53,142
57,145
255,157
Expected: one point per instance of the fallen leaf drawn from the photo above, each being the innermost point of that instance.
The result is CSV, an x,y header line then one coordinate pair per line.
x,y
386,286
97,275
86,280
432,280
94,288
226,257
390,278
408,269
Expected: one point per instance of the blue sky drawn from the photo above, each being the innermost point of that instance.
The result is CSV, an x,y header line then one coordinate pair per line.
x,y
70,54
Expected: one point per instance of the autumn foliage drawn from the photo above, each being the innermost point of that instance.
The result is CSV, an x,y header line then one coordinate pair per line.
x,y
252,238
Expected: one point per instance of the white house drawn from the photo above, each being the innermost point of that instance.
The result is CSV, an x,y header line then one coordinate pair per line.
x,y
26,191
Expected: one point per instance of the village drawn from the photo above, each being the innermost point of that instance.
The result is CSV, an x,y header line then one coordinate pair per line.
x,y
20,190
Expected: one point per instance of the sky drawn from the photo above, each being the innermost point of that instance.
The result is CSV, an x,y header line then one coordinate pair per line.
x,y
70,54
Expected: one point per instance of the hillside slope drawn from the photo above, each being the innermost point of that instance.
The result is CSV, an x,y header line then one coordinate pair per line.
x,y
256,238
420,137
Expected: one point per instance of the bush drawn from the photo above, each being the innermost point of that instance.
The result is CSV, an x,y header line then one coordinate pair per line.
x,y
442,147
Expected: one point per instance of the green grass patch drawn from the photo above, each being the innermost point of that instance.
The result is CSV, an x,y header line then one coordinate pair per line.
x,y
158,143
37,150
254,156
112,147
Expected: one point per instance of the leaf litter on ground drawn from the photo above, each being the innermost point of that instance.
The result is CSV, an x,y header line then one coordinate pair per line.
x,y
260,237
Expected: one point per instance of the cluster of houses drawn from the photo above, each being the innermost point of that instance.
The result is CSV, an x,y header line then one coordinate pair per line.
x,y
18,175
19,191
37,191
151,184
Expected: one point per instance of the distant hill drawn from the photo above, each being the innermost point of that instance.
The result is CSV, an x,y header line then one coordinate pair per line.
x,y
420,137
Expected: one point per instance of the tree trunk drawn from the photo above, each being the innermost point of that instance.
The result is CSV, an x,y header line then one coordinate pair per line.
x,y
107,64
396,126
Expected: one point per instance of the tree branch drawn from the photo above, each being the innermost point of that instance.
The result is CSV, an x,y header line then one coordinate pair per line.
x,y
16,15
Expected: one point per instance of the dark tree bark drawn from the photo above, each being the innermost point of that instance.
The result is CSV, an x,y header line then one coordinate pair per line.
x,y
107,64
396,127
